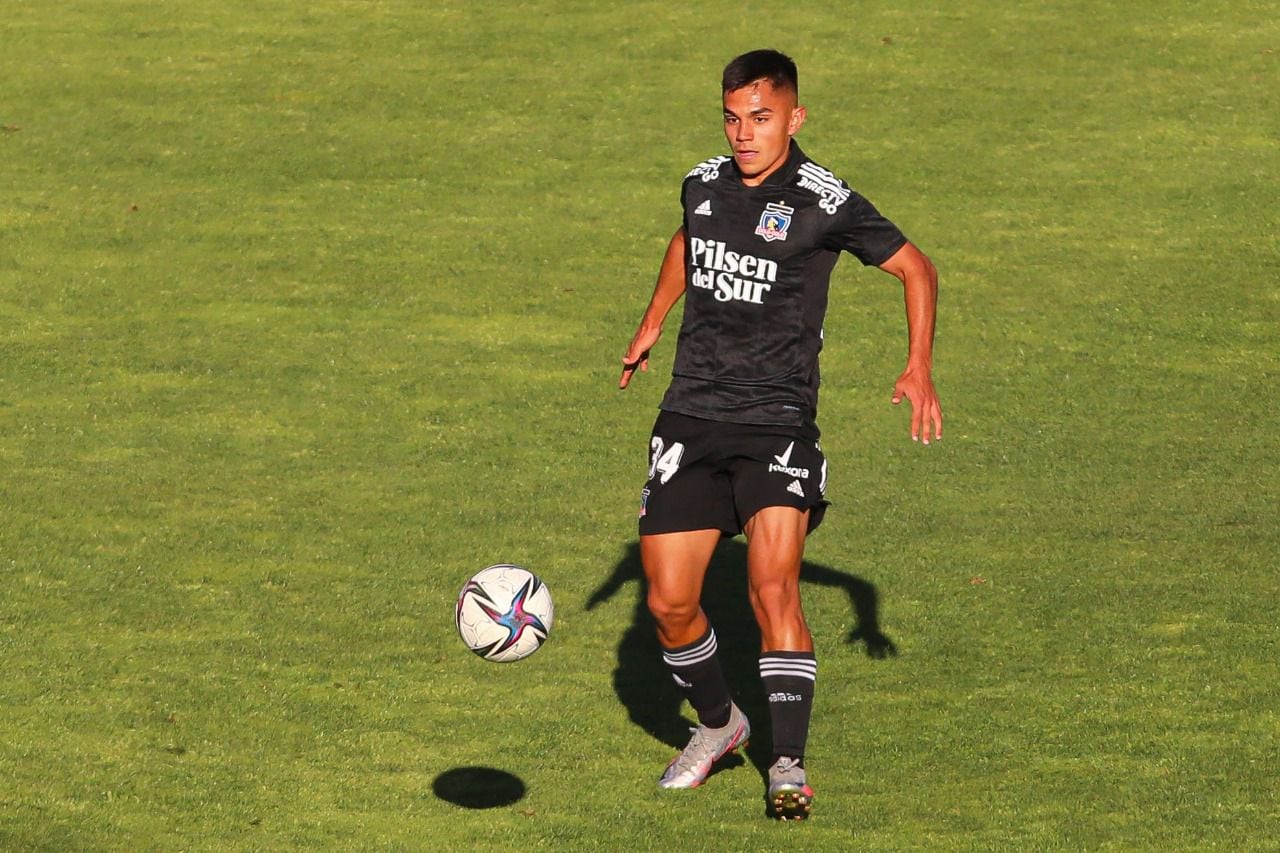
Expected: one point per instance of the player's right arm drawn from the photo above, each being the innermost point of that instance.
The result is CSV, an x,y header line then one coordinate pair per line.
x,y
668,290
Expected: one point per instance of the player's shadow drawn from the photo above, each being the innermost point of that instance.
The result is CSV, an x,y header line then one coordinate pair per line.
x,y
643,682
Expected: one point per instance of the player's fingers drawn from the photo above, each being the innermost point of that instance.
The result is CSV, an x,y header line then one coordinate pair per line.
x,y
936,419
629,364
635,357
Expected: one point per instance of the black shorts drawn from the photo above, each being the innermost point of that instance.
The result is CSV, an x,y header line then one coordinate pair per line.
x,y
711,475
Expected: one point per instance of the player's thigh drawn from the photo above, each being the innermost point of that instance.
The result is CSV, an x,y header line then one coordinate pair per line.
x,y
775,553
675,565
775,548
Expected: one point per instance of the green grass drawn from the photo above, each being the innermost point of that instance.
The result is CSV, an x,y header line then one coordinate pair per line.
x,y
307,311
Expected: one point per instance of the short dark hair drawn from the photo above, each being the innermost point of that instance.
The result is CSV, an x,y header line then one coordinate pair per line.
x,y
769,65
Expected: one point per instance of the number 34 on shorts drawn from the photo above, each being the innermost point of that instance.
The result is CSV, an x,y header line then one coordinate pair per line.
x,y
719,475
664,461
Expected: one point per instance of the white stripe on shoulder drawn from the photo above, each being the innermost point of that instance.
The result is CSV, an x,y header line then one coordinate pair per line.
x,y
830,190
708,170
823,177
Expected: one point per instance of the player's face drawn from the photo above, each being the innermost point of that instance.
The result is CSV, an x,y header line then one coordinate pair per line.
x,y
759,121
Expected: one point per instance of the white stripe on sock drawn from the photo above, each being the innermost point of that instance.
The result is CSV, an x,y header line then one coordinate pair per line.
x,y
697,654
797,668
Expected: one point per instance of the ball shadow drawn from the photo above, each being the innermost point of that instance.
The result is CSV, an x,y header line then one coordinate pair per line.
x,y
645,687
478,787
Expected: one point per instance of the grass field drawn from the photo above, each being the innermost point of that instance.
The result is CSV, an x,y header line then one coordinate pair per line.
x,y
310,310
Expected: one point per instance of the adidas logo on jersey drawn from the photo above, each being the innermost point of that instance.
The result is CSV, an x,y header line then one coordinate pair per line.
x,y
703,209
795,488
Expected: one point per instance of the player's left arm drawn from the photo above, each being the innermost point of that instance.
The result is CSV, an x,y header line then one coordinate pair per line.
x,y
919,279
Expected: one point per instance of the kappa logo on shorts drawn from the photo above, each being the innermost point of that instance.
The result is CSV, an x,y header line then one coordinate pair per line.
x,y
786,455
782,464
774,221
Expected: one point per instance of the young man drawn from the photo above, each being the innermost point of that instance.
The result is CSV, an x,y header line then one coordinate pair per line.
x,y
735,446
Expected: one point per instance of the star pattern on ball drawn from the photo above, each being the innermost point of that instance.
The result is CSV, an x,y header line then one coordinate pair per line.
x,y
515,620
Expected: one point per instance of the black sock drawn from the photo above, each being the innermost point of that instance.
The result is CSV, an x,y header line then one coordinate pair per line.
x,y
789,679
696,668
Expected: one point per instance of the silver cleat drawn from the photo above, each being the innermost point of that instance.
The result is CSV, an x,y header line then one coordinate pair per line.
x,y
790,798
706,747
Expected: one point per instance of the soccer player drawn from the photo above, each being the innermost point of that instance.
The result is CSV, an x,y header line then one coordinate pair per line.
x,y
735,445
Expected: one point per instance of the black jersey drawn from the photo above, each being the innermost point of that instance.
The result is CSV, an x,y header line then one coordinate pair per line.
x,y
758,266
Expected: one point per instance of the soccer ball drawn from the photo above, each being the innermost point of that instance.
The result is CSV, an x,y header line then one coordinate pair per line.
x,y
504,613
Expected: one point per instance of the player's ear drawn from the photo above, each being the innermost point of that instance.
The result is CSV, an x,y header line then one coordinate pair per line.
x,y
797,119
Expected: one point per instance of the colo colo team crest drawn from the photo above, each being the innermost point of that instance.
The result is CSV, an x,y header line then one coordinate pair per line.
x,y
774,221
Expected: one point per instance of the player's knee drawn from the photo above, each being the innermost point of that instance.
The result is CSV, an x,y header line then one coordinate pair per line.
x,y
780,616
671,613
779,596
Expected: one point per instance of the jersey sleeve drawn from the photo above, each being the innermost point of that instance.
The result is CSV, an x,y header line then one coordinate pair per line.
x,y
862,231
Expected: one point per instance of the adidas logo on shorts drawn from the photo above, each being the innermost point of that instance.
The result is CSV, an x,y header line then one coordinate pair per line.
x,y
795,488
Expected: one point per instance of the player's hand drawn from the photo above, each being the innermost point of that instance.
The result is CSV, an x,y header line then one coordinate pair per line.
x,y
638,353
879,646
926,412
